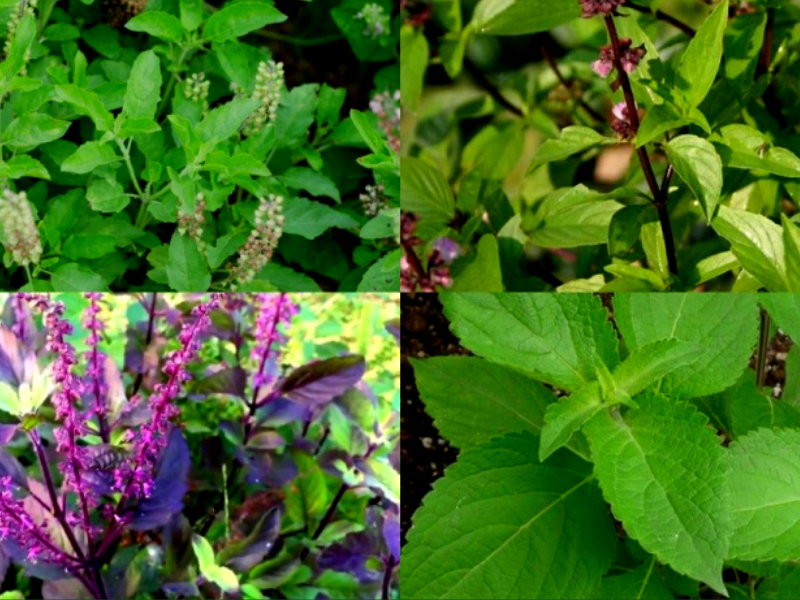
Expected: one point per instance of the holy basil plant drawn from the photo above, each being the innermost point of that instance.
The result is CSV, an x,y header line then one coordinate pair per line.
x,y
179,455
620,145
163,145
620,452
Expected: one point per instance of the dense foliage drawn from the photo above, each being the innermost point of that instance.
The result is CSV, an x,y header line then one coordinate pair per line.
x,y
623,450
601,145
164,145
202,446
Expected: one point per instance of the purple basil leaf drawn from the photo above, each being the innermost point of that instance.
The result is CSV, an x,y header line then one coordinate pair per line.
x,y
5,562
7,433
16,362
266,440
65,588
171,484
182,589
227,381
115,399
351,556
394,457
46,571
319,382
393,327
17,313
10,467
247,553
268,469
281,412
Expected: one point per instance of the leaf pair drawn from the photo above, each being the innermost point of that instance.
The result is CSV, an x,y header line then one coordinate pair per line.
x,y
660,466
643,368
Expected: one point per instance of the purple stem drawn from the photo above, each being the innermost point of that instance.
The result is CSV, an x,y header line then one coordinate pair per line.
x,y
659,198
387,577
253,405
55,509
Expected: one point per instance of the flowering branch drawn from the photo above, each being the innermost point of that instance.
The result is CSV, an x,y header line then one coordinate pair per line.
x,y
624,60
96,363
387,577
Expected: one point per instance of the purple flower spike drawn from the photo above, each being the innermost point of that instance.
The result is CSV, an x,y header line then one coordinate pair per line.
x,y
95,360
599,7
274,310
66,398
136,478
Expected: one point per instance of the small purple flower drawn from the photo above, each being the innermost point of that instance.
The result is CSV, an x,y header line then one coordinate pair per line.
x,y
447,249
622,123
444,252
630,59
599,7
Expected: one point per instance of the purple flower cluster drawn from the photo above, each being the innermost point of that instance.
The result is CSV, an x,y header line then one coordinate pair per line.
x,y
413,276
622,123
135,478
67,395
599,7
630,58
95,360
274,309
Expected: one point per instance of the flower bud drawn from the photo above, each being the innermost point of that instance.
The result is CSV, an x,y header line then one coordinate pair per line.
x,y
630,58
387,108
599,7
19,229
22,8
263,240
373,200
270,81
376,21
191,222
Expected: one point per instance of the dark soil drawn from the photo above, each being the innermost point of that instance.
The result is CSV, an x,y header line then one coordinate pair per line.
x,y
424,453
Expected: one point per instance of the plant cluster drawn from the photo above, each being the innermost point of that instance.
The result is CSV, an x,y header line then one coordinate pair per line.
x,y
164,447
612,448
621,145
162,145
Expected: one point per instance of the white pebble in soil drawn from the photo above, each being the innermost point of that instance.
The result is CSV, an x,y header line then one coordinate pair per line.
x,y
427,443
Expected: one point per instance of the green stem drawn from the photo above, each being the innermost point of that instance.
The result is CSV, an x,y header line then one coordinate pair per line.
x,y
172,82
763,346
28,273
126,154
160,193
